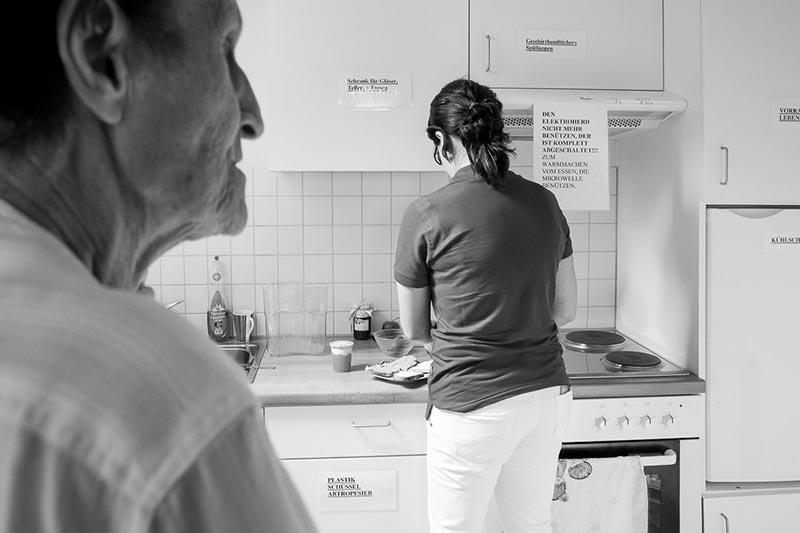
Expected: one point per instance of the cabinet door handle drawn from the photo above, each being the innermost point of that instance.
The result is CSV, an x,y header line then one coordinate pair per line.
x,y
383,425
725,519
488,53
724,179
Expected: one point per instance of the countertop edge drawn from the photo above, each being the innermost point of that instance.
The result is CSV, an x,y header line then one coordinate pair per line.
x,y
584,389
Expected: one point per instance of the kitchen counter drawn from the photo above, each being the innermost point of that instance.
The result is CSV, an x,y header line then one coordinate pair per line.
x,y
310,380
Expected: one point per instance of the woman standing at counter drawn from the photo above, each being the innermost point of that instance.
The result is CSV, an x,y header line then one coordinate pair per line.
x,y
491,251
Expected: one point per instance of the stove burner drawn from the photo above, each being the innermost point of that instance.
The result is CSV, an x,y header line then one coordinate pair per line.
x,y
596,340
630,360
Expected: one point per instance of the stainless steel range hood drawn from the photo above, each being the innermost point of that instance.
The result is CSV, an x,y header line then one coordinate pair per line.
x,y
629,112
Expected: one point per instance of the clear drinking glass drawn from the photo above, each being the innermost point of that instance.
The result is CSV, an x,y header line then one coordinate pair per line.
x,y
296,317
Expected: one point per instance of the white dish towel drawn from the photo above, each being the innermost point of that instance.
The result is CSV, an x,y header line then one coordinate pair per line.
x,y
606,495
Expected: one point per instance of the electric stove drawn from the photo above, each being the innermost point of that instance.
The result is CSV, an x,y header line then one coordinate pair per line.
x,y
600,353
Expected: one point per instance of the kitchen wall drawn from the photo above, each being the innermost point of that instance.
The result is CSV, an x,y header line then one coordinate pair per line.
x,y
659,207
341,229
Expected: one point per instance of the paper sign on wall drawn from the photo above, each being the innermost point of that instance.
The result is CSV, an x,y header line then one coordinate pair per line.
x,y
375,90
552,44
570,153
785,115
358,490
782,240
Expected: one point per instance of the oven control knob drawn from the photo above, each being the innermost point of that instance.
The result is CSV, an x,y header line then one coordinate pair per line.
x,y
624,422
668,420
601,422
646,421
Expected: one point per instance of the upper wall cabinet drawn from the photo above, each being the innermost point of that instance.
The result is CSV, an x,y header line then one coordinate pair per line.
x,y
567,44
346,85
751,93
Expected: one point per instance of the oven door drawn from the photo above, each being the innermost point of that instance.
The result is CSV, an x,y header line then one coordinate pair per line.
x,y
661,464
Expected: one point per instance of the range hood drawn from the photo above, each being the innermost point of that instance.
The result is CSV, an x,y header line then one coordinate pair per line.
x,y
629,112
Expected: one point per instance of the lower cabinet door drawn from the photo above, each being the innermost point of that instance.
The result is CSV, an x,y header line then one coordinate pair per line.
x,y
363,494
776,513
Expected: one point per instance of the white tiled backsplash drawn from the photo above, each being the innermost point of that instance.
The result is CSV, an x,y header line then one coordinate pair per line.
x,y
341,228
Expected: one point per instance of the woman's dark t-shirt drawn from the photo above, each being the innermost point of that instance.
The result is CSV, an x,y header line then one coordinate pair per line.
x,y
490,259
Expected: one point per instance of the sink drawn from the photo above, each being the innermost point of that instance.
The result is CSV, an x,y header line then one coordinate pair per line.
x,y
246,355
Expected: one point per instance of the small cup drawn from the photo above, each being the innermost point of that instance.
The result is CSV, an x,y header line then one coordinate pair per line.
x,y
341,355
243,324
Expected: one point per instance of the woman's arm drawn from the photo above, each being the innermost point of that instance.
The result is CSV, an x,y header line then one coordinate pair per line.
x,y
415,312
566,300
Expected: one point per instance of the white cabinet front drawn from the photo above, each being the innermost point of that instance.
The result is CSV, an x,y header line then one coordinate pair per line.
x,y
349,83
569,44
363,494
752,101
358,468
302,432
776,513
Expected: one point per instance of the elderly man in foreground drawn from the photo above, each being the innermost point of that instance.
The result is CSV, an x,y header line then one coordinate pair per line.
x,y
120,128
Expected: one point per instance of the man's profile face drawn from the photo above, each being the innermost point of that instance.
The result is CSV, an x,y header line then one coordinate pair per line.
x,y
188,113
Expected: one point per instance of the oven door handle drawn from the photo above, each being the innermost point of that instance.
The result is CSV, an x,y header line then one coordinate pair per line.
x,y
648,456
668,458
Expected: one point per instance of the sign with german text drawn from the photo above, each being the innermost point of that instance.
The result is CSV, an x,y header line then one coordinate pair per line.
x,y
570,153
782,240
358,490
785,115
552,44
382,91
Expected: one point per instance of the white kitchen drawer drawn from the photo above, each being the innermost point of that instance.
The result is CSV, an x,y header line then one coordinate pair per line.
x,y
346,430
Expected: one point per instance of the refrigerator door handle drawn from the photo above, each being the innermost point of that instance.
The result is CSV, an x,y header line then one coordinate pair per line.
x,y
755,212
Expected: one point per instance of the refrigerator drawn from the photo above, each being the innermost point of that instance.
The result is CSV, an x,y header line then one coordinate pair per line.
x,y
752,336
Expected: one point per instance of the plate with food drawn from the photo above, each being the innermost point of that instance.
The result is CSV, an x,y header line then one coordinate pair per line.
x,y
406,369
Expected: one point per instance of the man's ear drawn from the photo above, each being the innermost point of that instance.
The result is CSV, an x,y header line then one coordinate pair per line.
x,y
91,35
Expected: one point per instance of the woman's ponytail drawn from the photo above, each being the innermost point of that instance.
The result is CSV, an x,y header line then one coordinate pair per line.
x,y
472,113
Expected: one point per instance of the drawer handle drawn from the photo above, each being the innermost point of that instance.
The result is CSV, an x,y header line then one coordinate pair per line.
x,y
384,425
